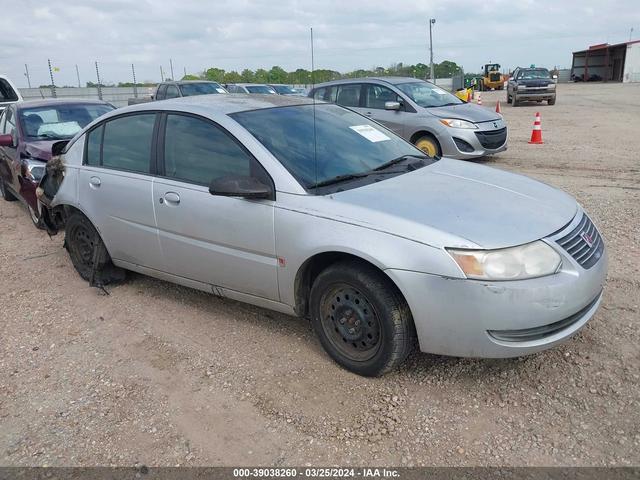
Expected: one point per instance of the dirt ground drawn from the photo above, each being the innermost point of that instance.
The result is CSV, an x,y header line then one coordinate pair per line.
x,y
157,374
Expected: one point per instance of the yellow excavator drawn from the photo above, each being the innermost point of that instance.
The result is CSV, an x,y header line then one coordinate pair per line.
x,y
492,78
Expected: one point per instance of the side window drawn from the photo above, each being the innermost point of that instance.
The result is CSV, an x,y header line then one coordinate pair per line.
x,y
376,96
172,92
327,94
127,142
198,151
94,140
2,122
349,95
160,94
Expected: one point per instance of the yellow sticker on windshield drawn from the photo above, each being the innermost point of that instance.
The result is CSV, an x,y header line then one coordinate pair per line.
x,y
372,134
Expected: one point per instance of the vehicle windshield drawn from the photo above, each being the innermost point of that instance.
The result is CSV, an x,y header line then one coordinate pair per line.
x,y
200,88
534,74
346,143
260,89
284,89
428,95
59,122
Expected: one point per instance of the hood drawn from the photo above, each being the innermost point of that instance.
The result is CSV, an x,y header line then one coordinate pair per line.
x,y
465,111
453,203
39,149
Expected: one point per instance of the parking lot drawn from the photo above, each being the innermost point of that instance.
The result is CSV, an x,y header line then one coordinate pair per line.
x,y
158,374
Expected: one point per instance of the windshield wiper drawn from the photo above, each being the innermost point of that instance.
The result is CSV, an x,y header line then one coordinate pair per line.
x,y
338,179
398,160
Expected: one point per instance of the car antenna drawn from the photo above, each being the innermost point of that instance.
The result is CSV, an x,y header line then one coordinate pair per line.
x,y
313,85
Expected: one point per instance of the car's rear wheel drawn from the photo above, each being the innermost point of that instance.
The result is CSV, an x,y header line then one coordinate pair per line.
x,y
88,252
5,193
361,319
429,145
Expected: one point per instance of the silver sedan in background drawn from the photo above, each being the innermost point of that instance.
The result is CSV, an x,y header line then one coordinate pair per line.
x,y
435,121
314,210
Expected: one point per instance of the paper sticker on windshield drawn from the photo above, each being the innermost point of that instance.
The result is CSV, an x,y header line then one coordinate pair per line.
x,y
439,90
370,133
220,90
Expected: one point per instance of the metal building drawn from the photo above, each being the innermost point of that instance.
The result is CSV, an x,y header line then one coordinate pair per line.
x,y
608,63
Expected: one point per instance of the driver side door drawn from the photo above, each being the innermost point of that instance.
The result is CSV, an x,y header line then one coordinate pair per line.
x,y
221,241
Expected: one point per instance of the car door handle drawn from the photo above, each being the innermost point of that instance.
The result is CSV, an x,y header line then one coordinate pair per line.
x,y
94,182
172,198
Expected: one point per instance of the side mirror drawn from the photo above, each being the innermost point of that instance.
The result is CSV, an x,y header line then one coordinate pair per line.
x,y
6,140
240,186
392,105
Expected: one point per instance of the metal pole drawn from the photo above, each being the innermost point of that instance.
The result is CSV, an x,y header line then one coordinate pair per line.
x,y
99,84
171,67
161,73
26,73
431,75
53,86
135,85
78,75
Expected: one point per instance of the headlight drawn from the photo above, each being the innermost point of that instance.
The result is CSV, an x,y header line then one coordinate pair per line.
x,y
532,260
551,85
36,169
457,123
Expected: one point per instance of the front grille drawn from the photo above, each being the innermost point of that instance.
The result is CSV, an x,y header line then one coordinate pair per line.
x,y
494,77
537,333
492,139
584,243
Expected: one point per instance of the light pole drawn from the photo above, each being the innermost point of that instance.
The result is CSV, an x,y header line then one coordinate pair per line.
x,y
431,22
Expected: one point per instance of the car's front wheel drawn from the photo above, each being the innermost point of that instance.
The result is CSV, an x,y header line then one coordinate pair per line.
x,y
551,101
429,145
514,100
88,252
361,319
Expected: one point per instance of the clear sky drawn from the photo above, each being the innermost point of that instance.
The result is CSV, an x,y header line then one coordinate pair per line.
x,y
349,34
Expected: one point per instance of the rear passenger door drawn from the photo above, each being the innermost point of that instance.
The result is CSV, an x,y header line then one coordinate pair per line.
x,y
115,187
374,99
222,241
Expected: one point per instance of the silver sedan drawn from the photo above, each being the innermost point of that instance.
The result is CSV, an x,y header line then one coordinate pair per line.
x,y
314,210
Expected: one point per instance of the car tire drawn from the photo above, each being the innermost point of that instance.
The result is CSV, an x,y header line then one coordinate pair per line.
x,y
429,145
361,319
514,101
551,101
508,98
86,248
5,193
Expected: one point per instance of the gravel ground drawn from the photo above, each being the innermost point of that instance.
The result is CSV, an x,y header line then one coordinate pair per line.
x,y
157,374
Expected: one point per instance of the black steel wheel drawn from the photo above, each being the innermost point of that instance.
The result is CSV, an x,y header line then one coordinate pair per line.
x,y
350,322
88,253
361,319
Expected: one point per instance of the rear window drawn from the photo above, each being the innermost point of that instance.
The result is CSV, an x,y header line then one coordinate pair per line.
x,y
7,94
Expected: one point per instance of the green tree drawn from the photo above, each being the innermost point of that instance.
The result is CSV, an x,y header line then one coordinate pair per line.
x,y
247,75
261,76
446,69
190,76
277,75
214,74
232,77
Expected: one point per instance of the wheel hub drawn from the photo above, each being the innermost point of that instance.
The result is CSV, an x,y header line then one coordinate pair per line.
x,y
350,321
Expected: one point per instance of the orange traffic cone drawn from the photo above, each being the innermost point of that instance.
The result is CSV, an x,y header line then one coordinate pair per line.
x,y
536,133
469,95
498,110
479,99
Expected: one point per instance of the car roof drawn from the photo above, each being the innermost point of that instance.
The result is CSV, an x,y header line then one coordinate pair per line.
x,y
250,84
220,104
389,80
182,82
58,101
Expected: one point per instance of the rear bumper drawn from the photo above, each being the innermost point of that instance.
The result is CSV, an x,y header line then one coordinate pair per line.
x,y
470,318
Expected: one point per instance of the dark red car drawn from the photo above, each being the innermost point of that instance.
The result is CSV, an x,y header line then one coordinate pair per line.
x,y
28,130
